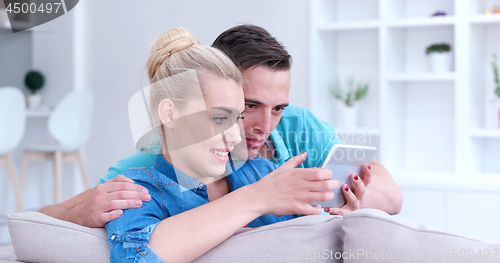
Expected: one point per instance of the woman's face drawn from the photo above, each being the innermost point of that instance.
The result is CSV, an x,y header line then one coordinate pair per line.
x,y
207,130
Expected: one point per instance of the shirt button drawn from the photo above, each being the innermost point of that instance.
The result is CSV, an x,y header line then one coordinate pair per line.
x,y
112,237
142,254
137,249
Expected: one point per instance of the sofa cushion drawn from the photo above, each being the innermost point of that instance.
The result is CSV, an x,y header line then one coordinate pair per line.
x,y
361,236
7,254
40,238
304,239
373,235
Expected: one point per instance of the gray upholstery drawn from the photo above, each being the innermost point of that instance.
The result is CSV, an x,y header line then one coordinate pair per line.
x,y
40,238
7,254
297,240
374,234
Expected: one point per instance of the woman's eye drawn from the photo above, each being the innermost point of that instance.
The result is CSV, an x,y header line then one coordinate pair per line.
x,y
220,120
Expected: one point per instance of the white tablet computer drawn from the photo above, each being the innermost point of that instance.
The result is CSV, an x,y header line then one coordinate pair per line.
x,y
344,160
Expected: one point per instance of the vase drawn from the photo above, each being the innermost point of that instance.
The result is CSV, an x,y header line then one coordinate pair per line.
x,y
347,117
441,62
34,101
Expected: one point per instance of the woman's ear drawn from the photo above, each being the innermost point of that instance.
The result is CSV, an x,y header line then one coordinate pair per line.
x,y
166,112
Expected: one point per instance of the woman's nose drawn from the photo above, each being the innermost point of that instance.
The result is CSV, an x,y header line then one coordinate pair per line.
x,y
232,135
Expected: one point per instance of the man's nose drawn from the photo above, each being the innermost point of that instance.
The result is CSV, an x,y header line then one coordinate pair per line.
x,y
263,125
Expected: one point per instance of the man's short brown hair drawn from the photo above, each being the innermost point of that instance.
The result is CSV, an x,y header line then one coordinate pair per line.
x,y
250,46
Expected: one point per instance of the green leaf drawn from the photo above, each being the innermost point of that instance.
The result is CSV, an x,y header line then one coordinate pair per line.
x,y
352,92
495,74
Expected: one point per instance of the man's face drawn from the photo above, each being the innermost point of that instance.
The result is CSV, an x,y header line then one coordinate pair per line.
x,y
266,95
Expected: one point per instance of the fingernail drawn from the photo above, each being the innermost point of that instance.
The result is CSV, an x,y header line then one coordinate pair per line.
x,y
147,197
369,167
302,152
346,188
144,190
356,177
327,209
138,203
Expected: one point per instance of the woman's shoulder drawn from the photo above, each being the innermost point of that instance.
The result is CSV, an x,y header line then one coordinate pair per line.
x,y
147,175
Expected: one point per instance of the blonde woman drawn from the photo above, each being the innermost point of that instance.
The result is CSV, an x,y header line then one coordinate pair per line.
x,y
196,99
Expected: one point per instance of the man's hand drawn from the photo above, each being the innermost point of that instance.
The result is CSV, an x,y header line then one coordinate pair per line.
x,y
354,197
290,190
105,202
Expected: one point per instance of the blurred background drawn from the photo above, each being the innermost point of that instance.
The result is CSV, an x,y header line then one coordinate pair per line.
x,y
421,74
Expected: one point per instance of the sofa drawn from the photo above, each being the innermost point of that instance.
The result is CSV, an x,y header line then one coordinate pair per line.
x,y
364,235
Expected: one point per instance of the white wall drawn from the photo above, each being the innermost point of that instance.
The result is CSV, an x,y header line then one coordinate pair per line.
x,y
117,38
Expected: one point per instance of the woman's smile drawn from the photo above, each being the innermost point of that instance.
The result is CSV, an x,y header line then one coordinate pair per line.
x,y
221,154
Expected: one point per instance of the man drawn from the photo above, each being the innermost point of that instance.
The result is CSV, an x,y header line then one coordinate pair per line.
x,y
274,130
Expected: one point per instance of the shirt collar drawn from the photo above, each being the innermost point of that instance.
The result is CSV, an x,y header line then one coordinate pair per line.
x,y
185,182
279,147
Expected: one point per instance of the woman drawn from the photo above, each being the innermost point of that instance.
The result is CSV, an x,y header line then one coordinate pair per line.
x,y
196,100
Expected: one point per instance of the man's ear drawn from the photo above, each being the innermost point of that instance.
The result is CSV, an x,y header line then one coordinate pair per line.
x,y
166,109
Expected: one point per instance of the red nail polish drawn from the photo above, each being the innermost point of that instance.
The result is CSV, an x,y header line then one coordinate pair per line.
x,y
356,177
346,188
327,209
369,168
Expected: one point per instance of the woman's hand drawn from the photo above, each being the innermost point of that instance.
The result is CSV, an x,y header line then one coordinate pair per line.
x,y
290,190
354,197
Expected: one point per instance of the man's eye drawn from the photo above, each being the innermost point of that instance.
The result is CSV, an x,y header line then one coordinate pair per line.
x,y
279,109
220,120
250,106
239,118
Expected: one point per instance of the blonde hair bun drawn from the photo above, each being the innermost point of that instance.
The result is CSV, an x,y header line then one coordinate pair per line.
x,y
173,41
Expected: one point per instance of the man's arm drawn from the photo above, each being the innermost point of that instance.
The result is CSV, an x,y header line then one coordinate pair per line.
x,y
381,191
316,136
374,189
105,202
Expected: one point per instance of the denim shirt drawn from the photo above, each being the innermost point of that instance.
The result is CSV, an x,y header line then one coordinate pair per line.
x,y
172,192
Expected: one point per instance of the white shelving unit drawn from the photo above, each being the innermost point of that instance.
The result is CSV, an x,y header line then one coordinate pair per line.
x,y
438,132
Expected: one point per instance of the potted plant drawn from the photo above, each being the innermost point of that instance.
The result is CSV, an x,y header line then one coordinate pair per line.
x,y
497,80
440,57
34,81
348,95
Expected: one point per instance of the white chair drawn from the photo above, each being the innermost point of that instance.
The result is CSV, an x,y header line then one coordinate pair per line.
x,y
12,125
70,124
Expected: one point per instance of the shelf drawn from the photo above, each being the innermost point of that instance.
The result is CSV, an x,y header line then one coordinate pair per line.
x,y
342,26
485,19
448,181
414,77
485,133
421,22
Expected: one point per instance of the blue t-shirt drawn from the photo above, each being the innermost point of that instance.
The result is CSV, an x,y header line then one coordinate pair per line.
x,y
298,130
172,192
